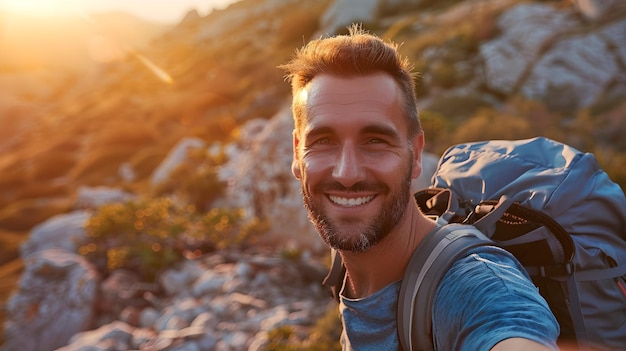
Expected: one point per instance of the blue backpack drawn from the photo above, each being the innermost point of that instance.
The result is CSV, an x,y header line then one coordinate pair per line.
x,y
548,204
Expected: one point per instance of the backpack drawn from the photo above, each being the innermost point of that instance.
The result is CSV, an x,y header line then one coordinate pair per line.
x,y
548,204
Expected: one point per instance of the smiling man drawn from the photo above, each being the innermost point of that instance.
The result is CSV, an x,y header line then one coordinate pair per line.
x,y
357,145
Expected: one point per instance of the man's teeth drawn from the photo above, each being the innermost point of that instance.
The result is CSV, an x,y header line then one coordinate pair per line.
x,y
350,202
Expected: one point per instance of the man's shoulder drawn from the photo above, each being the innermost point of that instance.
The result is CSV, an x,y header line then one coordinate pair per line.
x,y
487,296
484,264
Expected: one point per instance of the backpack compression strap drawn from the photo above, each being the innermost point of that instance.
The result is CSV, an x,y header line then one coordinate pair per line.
x,y
442,247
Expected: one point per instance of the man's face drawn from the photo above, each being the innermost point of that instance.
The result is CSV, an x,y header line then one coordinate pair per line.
x,y
354,159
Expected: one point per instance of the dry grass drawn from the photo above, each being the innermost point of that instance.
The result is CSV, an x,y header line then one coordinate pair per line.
x,y
11,267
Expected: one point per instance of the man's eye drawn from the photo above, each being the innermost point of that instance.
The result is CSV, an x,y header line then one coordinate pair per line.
x,y
375,141
322,141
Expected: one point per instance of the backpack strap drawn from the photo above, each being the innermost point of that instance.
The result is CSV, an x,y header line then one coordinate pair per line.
x,y
334,278
443,246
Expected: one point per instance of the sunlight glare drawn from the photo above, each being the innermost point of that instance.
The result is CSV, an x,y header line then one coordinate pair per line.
x,y
42,7
158,71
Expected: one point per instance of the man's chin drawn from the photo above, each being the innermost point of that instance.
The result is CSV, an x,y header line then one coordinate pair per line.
x,y
350,242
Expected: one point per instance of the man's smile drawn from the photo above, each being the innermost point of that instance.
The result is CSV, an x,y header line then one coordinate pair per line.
x,y
350,202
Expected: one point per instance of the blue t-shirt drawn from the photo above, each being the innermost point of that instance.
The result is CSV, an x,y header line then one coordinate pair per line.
x,y
484,298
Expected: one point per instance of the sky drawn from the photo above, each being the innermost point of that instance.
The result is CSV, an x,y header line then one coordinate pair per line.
x,y
164,11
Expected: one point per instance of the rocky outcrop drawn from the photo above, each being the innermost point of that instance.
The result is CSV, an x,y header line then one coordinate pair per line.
x,y
223,301
542,54
54,301
260,181
342,13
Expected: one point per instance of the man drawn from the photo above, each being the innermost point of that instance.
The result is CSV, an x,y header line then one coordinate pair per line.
x,y
357,145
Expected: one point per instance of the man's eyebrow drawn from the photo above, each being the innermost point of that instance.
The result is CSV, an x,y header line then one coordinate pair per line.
x,y
381,130
313,132
378,129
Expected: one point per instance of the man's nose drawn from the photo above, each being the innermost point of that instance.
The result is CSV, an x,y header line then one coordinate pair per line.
x,y
348,168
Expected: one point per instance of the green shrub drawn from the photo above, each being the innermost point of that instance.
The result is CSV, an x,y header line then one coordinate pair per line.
x,y
324,335
489,124
607,103
147,236
326,332
457,106
444,74
437,128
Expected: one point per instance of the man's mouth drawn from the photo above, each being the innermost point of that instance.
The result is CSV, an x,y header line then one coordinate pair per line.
x,y
350,202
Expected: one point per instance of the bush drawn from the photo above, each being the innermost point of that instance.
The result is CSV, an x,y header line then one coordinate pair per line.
x,y
324,335
436,129
489,124
444,75
148,236
457,106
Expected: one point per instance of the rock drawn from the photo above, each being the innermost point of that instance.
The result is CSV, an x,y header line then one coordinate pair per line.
x,y
342,13
572,74
260,181
114,336
429,165
175,280
176,156
217,320
527,29
64,232
121,289
615,35
54,301
94,197
596,10
543,55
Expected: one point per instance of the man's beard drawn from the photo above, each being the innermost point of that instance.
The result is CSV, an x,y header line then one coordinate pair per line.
x,y
378,228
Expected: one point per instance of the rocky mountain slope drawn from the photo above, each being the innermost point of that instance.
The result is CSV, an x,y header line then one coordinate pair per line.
x,y
489,69
206,77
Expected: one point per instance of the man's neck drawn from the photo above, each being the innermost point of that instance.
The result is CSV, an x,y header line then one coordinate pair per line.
x,y
369,271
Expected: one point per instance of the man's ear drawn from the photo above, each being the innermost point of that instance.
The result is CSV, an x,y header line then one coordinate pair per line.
x,y
418,145
295,163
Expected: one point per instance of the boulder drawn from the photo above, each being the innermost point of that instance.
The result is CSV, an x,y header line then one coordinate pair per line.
x,y
175,158
63,232
55,300
342,13
573,74
260,181
527,30
543,55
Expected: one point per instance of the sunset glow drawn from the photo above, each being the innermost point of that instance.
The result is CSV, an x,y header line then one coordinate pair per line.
x,y
42,8
163,11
